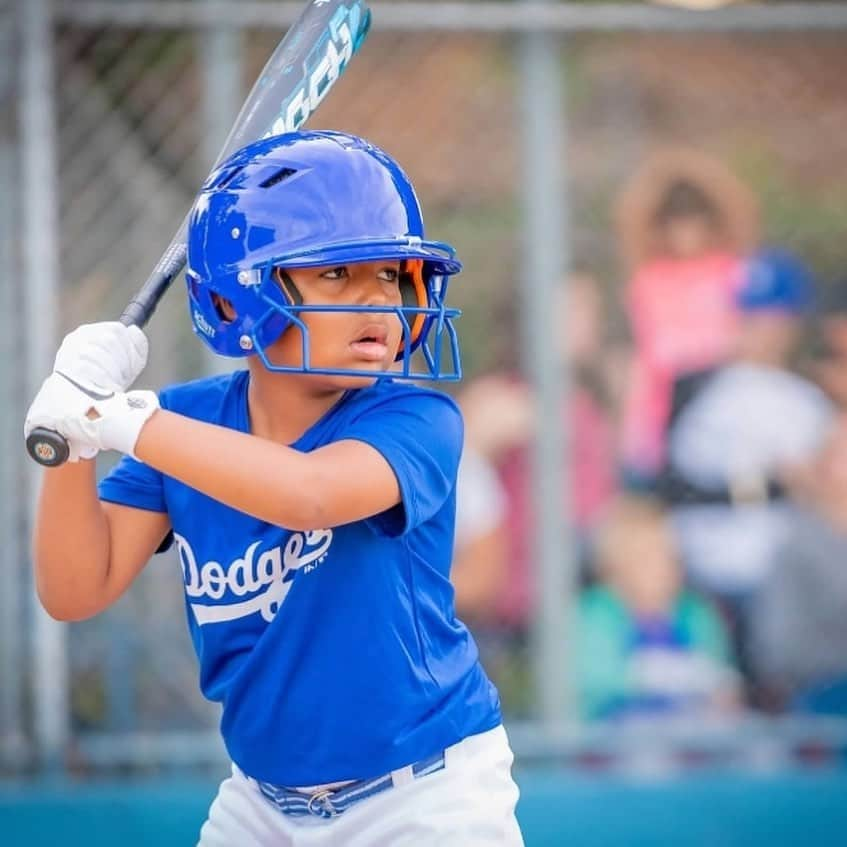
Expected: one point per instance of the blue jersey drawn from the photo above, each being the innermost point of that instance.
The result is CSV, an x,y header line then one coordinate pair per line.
x,y
335,653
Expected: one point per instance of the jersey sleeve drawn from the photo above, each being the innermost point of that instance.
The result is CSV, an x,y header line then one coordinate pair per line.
x,y
132,483
419,432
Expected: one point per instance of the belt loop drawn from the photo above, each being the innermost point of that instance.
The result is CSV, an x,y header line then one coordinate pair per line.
x,y
402,776
454,753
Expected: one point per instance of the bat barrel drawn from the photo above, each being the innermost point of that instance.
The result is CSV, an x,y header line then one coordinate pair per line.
x,y
140,309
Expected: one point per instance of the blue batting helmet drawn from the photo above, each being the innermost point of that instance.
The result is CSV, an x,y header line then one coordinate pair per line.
x,y
309,199
775,280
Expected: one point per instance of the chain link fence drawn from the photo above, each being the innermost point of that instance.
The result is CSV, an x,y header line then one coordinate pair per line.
x,y
138,109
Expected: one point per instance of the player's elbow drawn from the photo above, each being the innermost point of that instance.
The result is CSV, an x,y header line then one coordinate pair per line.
x,y
66,615
62,602
62,611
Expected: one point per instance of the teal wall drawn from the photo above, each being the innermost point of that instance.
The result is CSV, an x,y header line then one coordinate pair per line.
x,y
556,809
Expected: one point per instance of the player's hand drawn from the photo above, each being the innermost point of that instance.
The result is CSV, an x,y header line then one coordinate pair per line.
x,y
58,400
89,423
103,357
113,423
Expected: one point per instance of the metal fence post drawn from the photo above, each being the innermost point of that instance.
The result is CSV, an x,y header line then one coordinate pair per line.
x,y
11,729
221,57
40,203
545,263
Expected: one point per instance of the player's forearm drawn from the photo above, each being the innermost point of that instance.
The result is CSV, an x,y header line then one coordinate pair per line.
x,y
253,475
71,542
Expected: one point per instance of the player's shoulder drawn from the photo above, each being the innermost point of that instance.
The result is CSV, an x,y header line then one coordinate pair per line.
x,y
791,387
202,398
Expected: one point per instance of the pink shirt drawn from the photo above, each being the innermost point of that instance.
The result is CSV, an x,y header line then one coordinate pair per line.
x,y
683,318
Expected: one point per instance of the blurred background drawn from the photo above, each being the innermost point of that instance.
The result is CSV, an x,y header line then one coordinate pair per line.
x,y
651,204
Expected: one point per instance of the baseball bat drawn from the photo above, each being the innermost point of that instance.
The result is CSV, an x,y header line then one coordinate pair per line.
x,y
304,66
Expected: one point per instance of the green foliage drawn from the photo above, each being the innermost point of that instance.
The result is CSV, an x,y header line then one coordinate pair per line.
x,y
809,218
487,238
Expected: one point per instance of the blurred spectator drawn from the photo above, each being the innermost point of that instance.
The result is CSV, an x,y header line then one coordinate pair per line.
x,y
481,574
598,363
684,222
644,644
499,426
738,433
499,421
799,619
481,547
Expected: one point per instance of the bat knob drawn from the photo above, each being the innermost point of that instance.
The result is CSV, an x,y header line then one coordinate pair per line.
x,y
48,448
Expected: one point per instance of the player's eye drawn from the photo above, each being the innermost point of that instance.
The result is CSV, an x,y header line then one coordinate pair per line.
x,y
336,273
389,274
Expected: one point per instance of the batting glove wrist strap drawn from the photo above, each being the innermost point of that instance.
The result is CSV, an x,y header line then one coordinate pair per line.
x,y
114,423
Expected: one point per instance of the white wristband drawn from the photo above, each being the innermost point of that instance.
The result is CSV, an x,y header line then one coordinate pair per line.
x,y
121,423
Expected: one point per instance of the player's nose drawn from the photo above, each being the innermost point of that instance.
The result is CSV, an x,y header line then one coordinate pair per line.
x,y
371,289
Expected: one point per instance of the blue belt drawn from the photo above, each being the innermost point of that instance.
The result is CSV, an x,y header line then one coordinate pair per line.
x,y
328,803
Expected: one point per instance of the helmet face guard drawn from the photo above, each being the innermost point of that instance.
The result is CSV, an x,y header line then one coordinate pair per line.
x,y
312,200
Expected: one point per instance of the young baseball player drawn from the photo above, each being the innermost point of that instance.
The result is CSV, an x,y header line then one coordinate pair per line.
x,y
311,498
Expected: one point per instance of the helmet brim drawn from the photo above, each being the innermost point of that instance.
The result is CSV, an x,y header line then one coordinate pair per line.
x,y
439,256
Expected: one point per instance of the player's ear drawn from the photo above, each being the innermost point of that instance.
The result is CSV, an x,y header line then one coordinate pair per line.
x,y
224,308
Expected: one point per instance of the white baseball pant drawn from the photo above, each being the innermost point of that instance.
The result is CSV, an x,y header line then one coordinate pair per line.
x,y
469,803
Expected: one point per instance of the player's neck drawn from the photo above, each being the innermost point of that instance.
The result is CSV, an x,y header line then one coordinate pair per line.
x,y
283,407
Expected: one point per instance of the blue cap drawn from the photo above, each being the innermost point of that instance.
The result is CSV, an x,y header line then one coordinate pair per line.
x,y
775,280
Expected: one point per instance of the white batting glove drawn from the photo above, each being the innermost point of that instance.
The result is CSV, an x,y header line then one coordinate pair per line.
x,y
57,401
113,423
103,357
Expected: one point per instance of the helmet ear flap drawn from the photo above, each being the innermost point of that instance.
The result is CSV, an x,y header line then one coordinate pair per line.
x,y
414,295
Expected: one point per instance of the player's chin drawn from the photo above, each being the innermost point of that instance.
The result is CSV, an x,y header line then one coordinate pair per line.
x,y
351,383
362,377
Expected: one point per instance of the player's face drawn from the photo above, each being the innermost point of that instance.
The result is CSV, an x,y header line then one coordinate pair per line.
x,y
687,236
362,341
647,573
768,336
